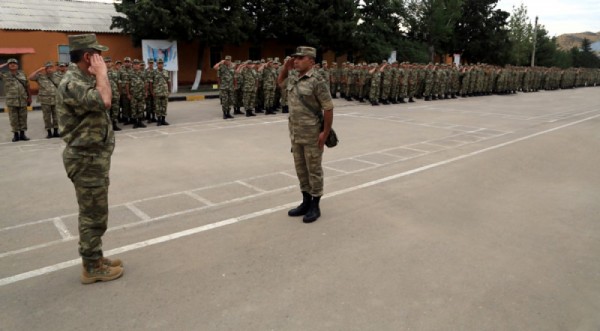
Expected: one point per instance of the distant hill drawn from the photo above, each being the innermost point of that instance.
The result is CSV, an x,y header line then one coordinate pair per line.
x,y
569,40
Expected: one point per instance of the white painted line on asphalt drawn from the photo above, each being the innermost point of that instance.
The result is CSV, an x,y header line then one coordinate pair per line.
x,y
62,228
230,221
199,198
252,187
138,212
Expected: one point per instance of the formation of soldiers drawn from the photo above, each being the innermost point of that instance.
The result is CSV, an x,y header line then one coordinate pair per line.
x,y
252,84
394,83
137,94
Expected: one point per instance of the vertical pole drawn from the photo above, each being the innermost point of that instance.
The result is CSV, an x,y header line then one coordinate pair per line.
x,y
534,42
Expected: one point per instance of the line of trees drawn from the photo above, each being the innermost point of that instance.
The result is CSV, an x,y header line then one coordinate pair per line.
x,y
369,30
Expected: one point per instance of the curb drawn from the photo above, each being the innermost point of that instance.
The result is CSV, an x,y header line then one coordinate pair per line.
x,y
198,97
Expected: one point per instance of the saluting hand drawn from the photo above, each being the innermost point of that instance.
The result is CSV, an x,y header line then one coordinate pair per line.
x,y
97,66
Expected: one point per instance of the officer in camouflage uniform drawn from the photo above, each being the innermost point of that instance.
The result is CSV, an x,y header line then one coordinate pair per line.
x,y
237,89
138,90
375,88
160,91
249,87
269,79
308,97
386,82
18,97
60,72
125,72
47,97
115,88
225,80
83,100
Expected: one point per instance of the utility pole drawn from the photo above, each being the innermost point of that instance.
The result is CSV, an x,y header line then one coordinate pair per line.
x,y
534,42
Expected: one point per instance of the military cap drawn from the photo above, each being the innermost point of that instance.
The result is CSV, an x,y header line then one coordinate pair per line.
x,y
107,59
269,59
127,59
136,61
238,61
276,59
150,60
256,62
118,62
63,64
49,64
12,60
160,61
383,61
85,41
306,51
228,57
324,62
262,60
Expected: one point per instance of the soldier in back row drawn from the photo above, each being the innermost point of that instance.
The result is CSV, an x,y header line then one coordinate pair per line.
x,y
48,83
18,98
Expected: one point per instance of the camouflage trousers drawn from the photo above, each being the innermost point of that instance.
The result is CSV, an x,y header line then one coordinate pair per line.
x,y
284,97
115,106
307,160
335,86
150,107
89,174
50,119
249,98
161,105
269,96
137,106
18,118
385,91
237,98
126,105
226,99
374,91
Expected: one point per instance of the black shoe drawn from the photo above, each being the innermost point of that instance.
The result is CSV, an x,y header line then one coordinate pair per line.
x,y
15,137
140,124
115,127
152,118
236,111
49,135
374,103
402,100
427,98
56,134
314,212
411,100
258,110
285,110
22,136
163,121
303,208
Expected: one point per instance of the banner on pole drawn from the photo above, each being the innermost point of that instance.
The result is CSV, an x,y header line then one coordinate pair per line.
x,y
161,49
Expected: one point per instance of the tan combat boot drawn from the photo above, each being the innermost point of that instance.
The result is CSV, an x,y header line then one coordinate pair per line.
x,y
97,271
112,263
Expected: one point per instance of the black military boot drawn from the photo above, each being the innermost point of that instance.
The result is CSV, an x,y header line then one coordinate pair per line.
x,y
159,121
163,121
49,135
258,110
314,212
285,110
22,136
153,118
56,134
374,103
140,124
402,100
269,111
249,113
224,115
115,127
228,114
135,124
411,100
15,137
236,111
303,208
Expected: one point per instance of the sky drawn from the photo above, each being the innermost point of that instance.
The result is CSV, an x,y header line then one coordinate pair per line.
x,y
557,16
560,16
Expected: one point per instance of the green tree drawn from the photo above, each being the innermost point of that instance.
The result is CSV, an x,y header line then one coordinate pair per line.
x,y
520,35
379,28
211,22
585,57
481,33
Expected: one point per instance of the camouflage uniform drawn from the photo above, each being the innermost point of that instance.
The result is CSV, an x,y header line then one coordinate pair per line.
x,y
250,84
125,73
150,106
375,88
87,131
137,90
269,78
47,98
16,87
115,85
160,88
225,75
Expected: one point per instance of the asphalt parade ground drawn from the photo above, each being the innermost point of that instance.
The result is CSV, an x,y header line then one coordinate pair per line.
x,y
479,213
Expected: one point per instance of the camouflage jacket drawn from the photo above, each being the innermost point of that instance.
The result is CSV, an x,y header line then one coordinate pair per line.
x,y
82,117
16,88
47,92
225,74
160,83
304,124
115,82
137,84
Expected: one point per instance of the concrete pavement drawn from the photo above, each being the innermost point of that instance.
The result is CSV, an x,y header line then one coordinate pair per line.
x,y
469,214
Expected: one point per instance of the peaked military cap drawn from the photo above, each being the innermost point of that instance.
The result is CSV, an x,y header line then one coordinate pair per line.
x,y
160,61
228,57
12,60
306,51
136,61
49,64
150,60
118,62
85,41
127,59
107,59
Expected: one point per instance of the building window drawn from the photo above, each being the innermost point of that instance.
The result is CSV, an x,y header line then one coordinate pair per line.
x,y
63,54
215,55
254,53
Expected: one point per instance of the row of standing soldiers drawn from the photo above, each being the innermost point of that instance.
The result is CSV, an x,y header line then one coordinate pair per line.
x,y
138,93
393,83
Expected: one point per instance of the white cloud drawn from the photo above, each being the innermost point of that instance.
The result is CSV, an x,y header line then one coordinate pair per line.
x,y
560,16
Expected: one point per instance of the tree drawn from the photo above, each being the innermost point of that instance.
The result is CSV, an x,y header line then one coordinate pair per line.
x,y
210,22
481,33
520,35
379,28
585,57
